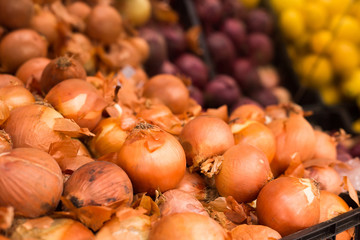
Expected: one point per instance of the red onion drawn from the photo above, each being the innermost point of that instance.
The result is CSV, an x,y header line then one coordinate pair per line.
x,y
175,38
260,48
169,68
258,20
246,75
196,94
236,31
265,97
209,11
234,9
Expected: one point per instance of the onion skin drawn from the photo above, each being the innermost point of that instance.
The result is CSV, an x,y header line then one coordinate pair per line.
x,y
104,24
177,201
186,226
253,232
98,183
5,142
30,174
325,145
16,14
78,100
293,135
32,126
9,80
160,156
244,171
19,46
204,137
60,69
193,184
289,204
247,112
168,89
72,164
327,177
30,72
16,96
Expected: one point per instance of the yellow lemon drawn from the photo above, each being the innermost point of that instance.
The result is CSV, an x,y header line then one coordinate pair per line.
x,y
315,71
336,6
351,86
330,95
281,5
346,28
356,125
320,41
292,24
344,57
315,16
250,3
355,10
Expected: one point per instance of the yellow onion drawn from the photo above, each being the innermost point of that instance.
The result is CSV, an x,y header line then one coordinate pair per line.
x,y
54,229
137,12
289,204
253,232
78,100
5,142
293,135
79,9
204,137
9,80
177,201
256,134
31,182
109,137
16,14
244,172
327,177
168,89
193,184
33,126
325,145
4,112
152,158
98,183
45,23
16,96
188,225
248,112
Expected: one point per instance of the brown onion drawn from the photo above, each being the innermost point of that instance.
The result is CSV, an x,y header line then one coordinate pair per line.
x,y
109,137
30,72
177,201
204,137
5,142
253,232
60,69
193,184
244,171
98,183
70,165
31,182
104,24
9,80
16,14
188,225
78,100
325,145
32,126
256,134
55,229
19,46
4,112
327,177
16,96
248,112
45,23
153,159
293,135
79,9
289,204
170,90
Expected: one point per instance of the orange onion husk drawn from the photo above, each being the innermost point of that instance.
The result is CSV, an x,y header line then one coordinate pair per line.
x,y
289,204
177,201
98,183
5,142
78,100
325,145
193,184
30,174
221,112
248,112
9,80
244,172
283,110
293,135
256,134
327,177
150,155
16,96
187,225
253,232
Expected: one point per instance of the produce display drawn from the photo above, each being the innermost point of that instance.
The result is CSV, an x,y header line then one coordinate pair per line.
x,y
104,134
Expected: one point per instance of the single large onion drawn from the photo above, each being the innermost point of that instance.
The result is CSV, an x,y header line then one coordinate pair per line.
x,y
98,183
45,23
16,96
104,24
253,232
325,145
188,225
177,201
170,90
55,229
257,135
30,72
31,182
244,171
32,126
289,204
193,184
5,142
293,135
16,14
9,80
152,158
109,137
78,100
327,177
19,46
60,69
